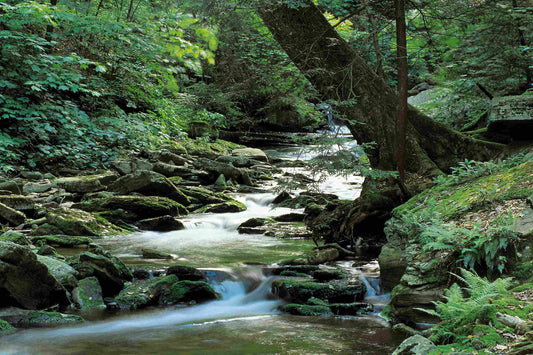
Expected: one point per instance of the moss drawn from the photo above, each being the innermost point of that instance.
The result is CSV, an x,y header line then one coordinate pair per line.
x,y
302,291
200,146
453,201
225,207
186,291
14,237
61,240
77,222
6,328
306,310
290,273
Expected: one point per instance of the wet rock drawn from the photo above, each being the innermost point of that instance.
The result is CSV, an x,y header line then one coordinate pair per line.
x,y
315,257
164,291
85,184
203,196
129,166
133,208
150,253
63,272
350,309
186,273
111,273
161,224
392,265
148,183
46,250
306,310
303,269
88,295
255,222
290,217
22,318
302,291
512,116
9,215
415,345
252,153
328,274
26,282
284,196
220,183
141,274
225,207
404,330
77,222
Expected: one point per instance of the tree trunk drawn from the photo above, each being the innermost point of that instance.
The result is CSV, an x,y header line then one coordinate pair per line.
x,y
401,55
338,73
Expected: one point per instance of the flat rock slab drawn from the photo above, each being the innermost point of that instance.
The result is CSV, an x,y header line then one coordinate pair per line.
x,y
512,116
22,318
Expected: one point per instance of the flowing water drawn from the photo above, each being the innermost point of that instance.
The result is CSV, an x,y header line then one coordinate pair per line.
x,y
245,320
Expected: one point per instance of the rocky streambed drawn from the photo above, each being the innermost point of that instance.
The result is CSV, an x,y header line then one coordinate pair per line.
x,y
175,251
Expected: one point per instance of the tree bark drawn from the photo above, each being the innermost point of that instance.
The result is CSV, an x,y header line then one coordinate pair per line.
x,y
401,56
338,73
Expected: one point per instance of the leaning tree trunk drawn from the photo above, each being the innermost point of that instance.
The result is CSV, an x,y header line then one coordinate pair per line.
x,y
339,73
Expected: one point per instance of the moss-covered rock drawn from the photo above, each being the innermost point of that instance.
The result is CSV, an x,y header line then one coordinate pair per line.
x,y
161,224
88,183
302,291
186,273
151,253
6,328
21,318
63,241
306,310
14,237
315,257
77,222
189,291
224,207
9,215
202,196
26,282
329,274
133,208
350,309
88,295
63,272
20,203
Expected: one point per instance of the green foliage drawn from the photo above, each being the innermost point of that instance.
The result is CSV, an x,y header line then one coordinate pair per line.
x,y
467,306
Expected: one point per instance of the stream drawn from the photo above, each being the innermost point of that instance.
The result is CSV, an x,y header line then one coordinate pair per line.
x,y
245,320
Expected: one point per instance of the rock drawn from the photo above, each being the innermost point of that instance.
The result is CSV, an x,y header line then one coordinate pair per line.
x,y
63,241
129,166
186,273
220,183
133,208
148,183
85,184
46,250
22,318
37,187
523,224
392,265
6,328
303,269
290,217
198,129
306,310
224,207
20,203
164,291
404,330
252,153
32,175
350,309
302,291
282,197
14,237
11,186
141,274
519,325
26,282
415,345
161,224
170,158
328,274
150,253
77,222
9,215
316,257
229,171
63,272
109,273
512,116
171,170
88,295
203,196
237,161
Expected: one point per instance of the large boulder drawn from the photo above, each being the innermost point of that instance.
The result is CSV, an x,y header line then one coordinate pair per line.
x,y
129,166
161,224
26,282
392,265
133,208
85,184
164,291
111,273
71,221
20,203
512,116
88,295
229,171
202,196
252,153
63,272
22,318
224,207
148,183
